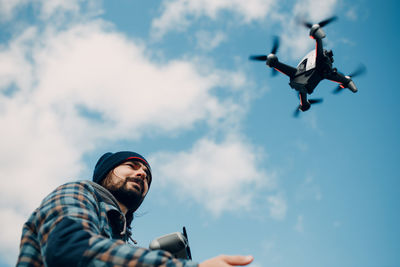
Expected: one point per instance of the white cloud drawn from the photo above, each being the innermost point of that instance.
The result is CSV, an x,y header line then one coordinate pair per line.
x,y
277,206
51,7
178,14
314,10
295,37
208,41
14,68
11,221
88,66
8,8
222,176
57,10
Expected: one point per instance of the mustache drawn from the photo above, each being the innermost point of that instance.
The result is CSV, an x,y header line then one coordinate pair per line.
x,y
136,180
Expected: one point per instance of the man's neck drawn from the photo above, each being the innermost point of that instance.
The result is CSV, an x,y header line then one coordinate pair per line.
x,y
108,195
123,208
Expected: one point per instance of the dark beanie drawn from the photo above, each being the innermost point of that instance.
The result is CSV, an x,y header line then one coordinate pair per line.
x,y
109,161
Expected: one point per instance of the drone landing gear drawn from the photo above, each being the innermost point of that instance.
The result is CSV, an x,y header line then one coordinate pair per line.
x,y
305,103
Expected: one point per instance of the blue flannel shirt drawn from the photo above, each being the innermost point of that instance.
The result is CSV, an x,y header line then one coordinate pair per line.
x,y
74,227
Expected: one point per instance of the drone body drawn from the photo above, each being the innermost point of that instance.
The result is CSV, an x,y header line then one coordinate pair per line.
x,y
313,68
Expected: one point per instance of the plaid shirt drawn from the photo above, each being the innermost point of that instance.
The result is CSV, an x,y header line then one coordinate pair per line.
x,y
74,227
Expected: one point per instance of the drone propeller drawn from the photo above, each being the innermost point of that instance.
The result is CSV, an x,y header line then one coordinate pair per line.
x,y
338,89
327,21
296,112
321,23
315,101
258,57
307,24
275,47
359,71
311,101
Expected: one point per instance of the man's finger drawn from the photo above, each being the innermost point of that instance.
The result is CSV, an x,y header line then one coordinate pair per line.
x,y
237,260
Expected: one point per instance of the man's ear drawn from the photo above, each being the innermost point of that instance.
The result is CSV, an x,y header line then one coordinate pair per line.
x,y
106,180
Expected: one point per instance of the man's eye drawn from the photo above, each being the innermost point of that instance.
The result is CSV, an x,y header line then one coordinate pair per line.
x,y
132,166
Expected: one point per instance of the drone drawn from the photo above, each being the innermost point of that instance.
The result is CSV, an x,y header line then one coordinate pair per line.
x,y
313,68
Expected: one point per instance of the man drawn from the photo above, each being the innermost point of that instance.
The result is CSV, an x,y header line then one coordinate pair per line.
x,y
88,223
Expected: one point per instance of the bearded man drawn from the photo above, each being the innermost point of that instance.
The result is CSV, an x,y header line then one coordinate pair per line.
x,y
88,223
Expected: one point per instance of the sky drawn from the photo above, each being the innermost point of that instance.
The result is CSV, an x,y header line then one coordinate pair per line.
x,y
171,79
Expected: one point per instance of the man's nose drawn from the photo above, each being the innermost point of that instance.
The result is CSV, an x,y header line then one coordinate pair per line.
x,y
141,173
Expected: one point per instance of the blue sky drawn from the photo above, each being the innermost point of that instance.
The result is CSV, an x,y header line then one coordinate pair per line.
x,y
172,81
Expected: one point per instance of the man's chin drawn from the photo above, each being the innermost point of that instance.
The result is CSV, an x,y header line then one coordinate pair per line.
x,y
131,198
133,187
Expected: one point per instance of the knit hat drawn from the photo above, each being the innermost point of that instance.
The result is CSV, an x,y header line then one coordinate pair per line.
x,y
109,161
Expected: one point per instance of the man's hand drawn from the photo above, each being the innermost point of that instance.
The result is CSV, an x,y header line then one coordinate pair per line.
x,y
226,261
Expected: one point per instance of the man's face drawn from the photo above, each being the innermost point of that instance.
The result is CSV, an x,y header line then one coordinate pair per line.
x,y
129,183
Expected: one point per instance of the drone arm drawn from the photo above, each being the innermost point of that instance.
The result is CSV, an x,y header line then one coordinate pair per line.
x,y
337,77
319,49
282,67
344,81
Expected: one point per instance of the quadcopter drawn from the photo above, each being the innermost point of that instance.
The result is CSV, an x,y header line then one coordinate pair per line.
x,y
313,68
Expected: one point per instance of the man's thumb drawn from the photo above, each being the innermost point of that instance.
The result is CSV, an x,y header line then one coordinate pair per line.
x,y
238,260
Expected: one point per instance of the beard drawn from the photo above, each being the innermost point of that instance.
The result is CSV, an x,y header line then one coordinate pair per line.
x,y
130,198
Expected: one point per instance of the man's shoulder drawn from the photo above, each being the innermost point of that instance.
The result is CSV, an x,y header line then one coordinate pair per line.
x,y
76,185
76,189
